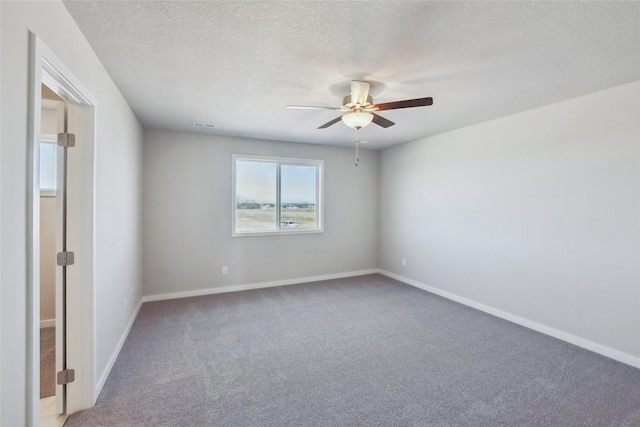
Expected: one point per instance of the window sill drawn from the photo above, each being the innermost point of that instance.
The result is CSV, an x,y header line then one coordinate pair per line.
x,y
276,232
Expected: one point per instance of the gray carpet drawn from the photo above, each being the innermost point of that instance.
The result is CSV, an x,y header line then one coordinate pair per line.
x,y
47,362
363,351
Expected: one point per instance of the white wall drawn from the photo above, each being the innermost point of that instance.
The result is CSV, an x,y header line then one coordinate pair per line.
x,y
536,215
187,216
117,192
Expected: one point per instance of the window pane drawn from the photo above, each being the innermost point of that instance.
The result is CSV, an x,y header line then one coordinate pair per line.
x,y
48,166
255,195
298,189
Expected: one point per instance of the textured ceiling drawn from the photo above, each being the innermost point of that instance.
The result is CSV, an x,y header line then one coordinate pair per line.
x,y
239,63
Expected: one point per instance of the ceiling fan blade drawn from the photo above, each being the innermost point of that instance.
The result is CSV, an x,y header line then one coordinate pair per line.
x,y
381,121
409,103
359,92
312,107
332,122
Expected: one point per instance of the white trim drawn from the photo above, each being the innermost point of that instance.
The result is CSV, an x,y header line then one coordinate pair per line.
x,y
116,352
48,192
250,286
33,234
48,323
547,330
279,232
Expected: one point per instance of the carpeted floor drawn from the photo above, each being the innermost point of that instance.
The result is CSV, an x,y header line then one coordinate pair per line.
x,y
363,351
47,362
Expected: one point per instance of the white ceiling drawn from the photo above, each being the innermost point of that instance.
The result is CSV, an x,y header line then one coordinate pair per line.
x,y
239,63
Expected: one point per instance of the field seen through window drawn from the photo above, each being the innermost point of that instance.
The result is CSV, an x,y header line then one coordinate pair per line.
x,y
264,218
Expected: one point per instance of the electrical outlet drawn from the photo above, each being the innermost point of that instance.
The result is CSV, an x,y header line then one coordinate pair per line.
x,y
404,262
225,270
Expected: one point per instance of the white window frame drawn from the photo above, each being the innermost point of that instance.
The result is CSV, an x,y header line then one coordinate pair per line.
x,y
280,161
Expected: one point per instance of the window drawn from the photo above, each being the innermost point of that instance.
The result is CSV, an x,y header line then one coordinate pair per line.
x,y
276,196
48,167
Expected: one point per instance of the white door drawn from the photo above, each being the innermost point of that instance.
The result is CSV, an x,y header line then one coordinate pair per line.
x,y
74,165
79,238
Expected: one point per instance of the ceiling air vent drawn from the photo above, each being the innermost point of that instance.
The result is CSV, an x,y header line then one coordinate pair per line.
x,y
204,125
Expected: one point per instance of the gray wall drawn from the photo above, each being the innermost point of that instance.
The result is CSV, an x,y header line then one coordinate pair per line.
x,y
535,214
187,216
117,235
48,125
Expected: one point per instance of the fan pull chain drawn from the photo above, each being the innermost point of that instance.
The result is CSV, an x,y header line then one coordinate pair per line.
x,y
357,142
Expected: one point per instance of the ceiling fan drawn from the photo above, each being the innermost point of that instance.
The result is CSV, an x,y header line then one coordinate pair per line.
x,y
360,109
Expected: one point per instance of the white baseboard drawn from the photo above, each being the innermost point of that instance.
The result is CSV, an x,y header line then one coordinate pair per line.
x,y
260,285
116,352
561,335
48,323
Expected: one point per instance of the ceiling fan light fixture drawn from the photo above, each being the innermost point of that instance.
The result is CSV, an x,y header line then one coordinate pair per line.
x,y
357,120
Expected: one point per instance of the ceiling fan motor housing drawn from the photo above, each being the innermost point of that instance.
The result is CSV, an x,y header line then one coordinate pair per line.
x,y
347,103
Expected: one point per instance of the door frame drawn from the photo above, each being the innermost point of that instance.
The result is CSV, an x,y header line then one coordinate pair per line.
x,y
45,67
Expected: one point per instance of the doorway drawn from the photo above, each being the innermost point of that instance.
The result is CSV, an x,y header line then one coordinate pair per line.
x,y
73,314
52,122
